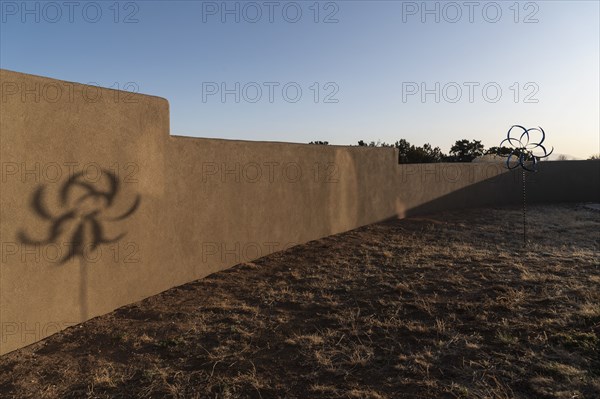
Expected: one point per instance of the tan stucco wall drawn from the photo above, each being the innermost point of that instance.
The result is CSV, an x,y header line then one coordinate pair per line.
x,y
205,204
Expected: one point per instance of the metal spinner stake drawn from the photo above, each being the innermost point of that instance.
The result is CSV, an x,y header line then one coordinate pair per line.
x,y
522,155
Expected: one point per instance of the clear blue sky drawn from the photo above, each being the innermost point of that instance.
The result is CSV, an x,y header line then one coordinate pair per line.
x,y
374,61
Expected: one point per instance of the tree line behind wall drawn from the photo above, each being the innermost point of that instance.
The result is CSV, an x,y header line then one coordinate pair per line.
x,y
461,151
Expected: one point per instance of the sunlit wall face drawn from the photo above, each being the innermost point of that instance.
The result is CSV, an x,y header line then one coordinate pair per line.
x,y
337,71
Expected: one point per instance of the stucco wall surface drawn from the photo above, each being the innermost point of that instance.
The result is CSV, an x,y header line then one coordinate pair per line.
x,y
101,207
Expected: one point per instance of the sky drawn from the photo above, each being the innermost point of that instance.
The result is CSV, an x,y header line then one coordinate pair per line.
x,y
338,71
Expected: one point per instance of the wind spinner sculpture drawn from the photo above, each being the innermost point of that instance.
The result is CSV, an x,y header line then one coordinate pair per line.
x,y
522,155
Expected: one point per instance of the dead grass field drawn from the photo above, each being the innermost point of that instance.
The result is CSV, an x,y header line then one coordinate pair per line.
x,y
444,306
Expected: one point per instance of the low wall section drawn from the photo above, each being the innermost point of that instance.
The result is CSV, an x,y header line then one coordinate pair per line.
x,y
101,207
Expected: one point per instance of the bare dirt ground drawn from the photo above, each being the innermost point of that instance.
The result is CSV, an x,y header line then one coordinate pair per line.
x,y
444,306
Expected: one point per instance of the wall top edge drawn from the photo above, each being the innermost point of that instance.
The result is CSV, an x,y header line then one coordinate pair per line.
x,y
7,72
317,146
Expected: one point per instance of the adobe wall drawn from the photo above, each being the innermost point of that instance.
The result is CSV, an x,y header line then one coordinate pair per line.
x,y
100,207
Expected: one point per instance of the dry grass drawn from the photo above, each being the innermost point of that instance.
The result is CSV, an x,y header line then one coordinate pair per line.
x,y
449,306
